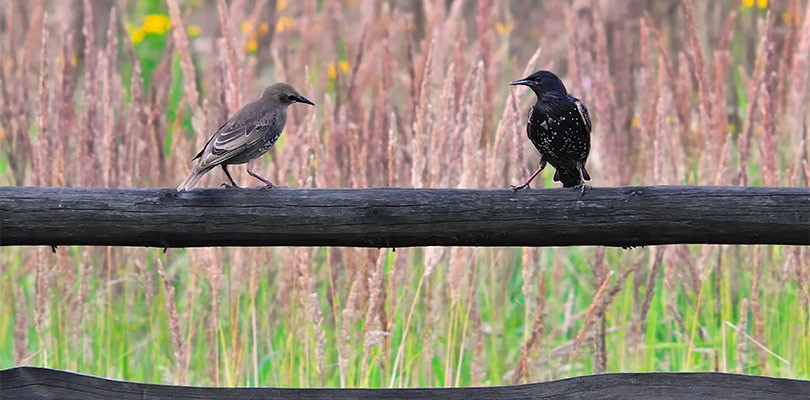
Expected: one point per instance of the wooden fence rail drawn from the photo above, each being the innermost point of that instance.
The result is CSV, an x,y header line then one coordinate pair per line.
x,y
391,217
30,382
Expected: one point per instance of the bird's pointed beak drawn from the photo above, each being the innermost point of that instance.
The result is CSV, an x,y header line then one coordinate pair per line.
x,y
520,82
302,99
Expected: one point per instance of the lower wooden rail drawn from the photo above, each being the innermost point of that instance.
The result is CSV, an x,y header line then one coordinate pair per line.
x,y
37,383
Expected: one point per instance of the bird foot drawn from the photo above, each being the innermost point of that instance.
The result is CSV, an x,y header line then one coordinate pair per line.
x,y
229,186
266,186
582,188
516,188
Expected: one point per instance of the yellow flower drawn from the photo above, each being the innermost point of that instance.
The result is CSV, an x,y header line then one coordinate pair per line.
x,y
504,28
284,22
264,27
747,3
344,66
332,70
252,45
137,35
245,26
635,123
2,133
281,5
762,4
156,23
194,31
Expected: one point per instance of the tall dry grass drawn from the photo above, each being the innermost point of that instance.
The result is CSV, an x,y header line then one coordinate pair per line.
x,y
409,94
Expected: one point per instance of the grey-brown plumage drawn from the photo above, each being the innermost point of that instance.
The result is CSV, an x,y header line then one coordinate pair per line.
x,y
246,136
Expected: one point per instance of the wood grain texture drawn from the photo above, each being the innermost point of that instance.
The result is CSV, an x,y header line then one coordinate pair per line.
x,y
390,217
43,383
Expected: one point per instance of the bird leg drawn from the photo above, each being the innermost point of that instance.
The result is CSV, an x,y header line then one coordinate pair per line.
x,y
582,186
257,176
531,178
228,174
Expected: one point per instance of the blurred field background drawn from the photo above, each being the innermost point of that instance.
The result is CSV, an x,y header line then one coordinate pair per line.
x,y
414,94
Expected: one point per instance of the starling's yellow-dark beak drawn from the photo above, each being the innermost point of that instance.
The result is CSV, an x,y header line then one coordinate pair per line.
x,y
520,82
302,99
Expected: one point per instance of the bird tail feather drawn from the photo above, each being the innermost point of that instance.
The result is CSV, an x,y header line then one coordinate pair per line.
x,y
191,180
569,177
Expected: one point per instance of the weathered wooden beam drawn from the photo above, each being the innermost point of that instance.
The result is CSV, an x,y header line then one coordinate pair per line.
x,y
388,217
30,382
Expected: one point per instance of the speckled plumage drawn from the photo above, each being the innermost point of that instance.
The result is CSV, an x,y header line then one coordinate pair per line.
x,y
247,135
560,129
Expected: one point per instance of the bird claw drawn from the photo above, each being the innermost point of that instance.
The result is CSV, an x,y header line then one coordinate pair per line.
x,y
582,188
229,186
267,186
516,188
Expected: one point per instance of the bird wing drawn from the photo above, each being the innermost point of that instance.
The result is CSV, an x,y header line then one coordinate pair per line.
x,y
537,127
231,139
583,112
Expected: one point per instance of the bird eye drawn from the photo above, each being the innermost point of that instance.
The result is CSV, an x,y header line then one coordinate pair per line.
x,y
291,97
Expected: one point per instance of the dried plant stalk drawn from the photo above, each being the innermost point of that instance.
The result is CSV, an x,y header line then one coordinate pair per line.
x,y
754,89
133,139
705,94
393,147
536,336
233,96
348,319
373,329
107,72
798,71
593,309
174,326
421,123
742,338
475,128
20,327
768,106
189,75
89,163
649,287
42,289
105,147
438,164
41,160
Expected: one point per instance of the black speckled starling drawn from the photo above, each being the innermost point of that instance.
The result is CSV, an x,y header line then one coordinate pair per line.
x,y
246,135
560,129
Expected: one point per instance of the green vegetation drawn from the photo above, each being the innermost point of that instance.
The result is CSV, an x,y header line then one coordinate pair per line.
x,y
418,100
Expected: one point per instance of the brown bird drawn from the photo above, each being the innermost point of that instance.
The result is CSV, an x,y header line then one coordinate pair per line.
x,y
246,136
